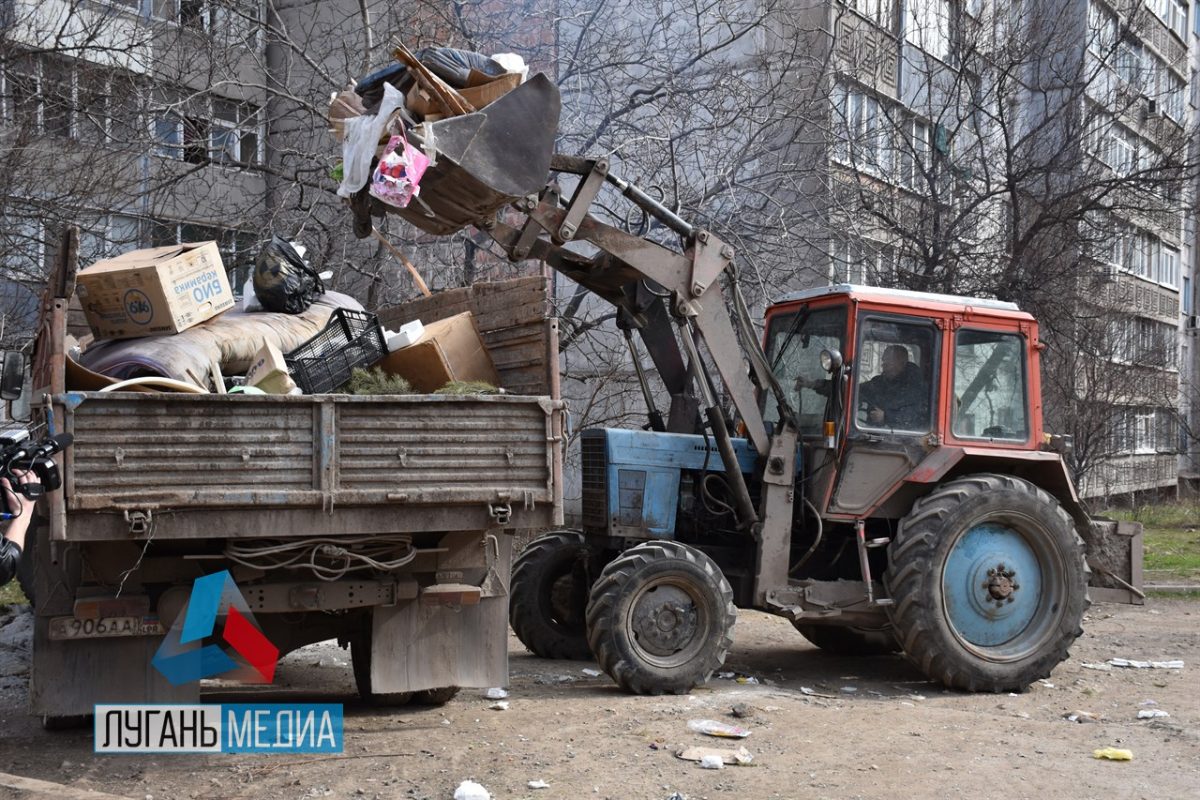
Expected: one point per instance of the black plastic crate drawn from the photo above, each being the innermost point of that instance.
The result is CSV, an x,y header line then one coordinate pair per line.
x,y
323,363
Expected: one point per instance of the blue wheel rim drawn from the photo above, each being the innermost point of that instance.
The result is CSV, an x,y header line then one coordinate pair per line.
x,y
997,586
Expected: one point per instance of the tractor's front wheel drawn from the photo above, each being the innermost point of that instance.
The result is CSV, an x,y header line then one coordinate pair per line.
x,y
989,582
660,618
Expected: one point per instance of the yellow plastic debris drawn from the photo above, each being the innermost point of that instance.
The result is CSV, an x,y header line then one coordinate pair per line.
x,y
1113,754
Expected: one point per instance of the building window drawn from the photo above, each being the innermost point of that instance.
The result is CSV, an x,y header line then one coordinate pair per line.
x,y
214,130
928,27
1102,29
1174,14
878,11
914,156
1186,295
861,132
238,248
1122,150
235,132
70,99
106,236
1168,267
1172,96
862,261
230,21
1130,63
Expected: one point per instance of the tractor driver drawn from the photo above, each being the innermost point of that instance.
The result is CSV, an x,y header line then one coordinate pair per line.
x,y
897,397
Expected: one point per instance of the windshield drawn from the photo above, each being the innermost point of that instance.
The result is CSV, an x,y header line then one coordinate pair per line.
x,y
794,345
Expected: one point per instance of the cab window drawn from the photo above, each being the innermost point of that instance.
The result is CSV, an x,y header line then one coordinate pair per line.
x,y
989,386
794,345
896,369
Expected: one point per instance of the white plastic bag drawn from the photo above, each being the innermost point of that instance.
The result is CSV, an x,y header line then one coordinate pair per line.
x,y
362,138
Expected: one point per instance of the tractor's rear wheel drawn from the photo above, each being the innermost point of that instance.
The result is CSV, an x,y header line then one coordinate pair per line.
x,y
847,641
660,618
989,582
548,597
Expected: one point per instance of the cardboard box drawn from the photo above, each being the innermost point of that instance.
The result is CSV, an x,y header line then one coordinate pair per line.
x,y
269,372
156,291
450,349
479,95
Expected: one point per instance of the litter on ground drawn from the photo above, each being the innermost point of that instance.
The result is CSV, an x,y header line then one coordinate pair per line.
x,y
710,727
1113,754
739,757
1127,662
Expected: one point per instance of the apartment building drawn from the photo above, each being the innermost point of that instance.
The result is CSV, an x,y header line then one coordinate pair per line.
x,y
141,121
939,108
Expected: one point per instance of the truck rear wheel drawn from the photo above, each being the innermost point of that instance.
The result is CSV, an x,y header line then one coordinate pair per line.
x,y
660,618
360,658
548,597
847,641
989,581
435,697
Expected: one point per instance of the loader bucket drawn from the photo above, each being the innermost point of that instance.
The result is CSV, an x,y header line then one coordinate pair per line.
x,y
487,159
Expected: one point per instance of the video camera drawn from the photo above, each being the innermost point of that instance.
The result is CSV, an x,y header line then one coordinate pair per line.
x,y
19,453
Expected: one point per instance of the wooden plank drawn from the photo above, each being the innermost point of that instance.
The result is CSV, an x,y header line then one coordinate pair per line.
x,y
59,791
511,316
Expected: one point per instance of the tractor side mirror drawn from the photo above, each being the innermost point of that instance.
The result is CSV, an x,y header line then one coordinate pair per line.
x,y
12,375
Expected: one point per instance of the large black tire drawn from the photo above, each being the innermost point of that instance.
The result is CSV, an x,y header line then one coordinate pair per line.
x,y
360,658
435,697
989,581
846,641
660,618
548,597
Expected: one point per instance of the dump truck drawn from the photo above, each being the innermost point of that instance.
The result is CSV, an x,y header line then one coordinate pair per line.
x,y
385,522
891,488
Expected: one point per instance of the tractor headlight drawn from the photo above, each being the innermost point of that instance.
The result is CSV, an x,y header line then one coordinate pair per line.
x,y
831,360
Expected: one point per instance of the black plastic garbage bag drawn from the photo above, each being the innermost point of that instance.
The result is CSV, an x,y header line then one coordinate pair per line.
x,y
283,281
454,66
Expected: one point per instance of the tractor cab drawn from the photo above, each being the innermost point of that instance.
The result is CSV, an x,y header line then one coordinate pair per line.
x,y
882,381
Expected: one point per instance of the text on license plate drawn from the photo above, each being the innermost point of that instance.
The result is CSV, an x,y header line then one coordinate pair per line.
x,y
72,628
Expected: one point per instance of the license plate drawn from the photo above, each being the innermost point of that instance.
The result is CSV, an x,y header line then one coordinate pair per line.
x,y
73,628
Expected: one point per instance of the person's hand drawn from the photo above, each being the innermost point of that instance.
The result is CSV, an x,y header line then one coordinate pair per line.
x,y
16,500
875,415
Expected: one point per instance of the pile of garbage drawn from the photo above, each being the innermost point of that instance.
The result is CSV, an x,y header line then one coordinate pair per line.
x,y
443,138
165,320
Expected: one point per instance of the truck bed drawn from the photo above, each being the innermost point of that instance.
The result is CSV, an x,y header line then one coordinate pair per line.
x,y
253,466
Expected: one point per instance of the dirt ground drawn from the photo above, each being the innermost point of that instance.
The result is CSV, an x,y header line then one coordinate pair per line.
x,y
874,728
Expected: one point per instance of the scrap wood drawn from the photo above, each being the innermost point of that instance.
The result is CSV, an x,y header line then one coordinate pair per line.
x,y
407,264
1118,579
454,102
60,791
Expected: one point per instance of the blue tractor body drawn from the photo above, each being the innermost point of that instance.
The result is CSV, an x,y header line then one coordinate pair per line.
x,y
632,479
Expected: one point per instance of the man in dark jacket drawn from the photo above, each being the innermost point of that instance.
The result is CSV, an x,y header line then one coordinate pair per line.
x,y
898,397
14,538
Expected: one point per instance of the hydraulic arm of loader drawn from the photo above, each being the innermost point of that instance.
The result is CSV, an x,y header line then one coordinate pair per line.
x,y
656,289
